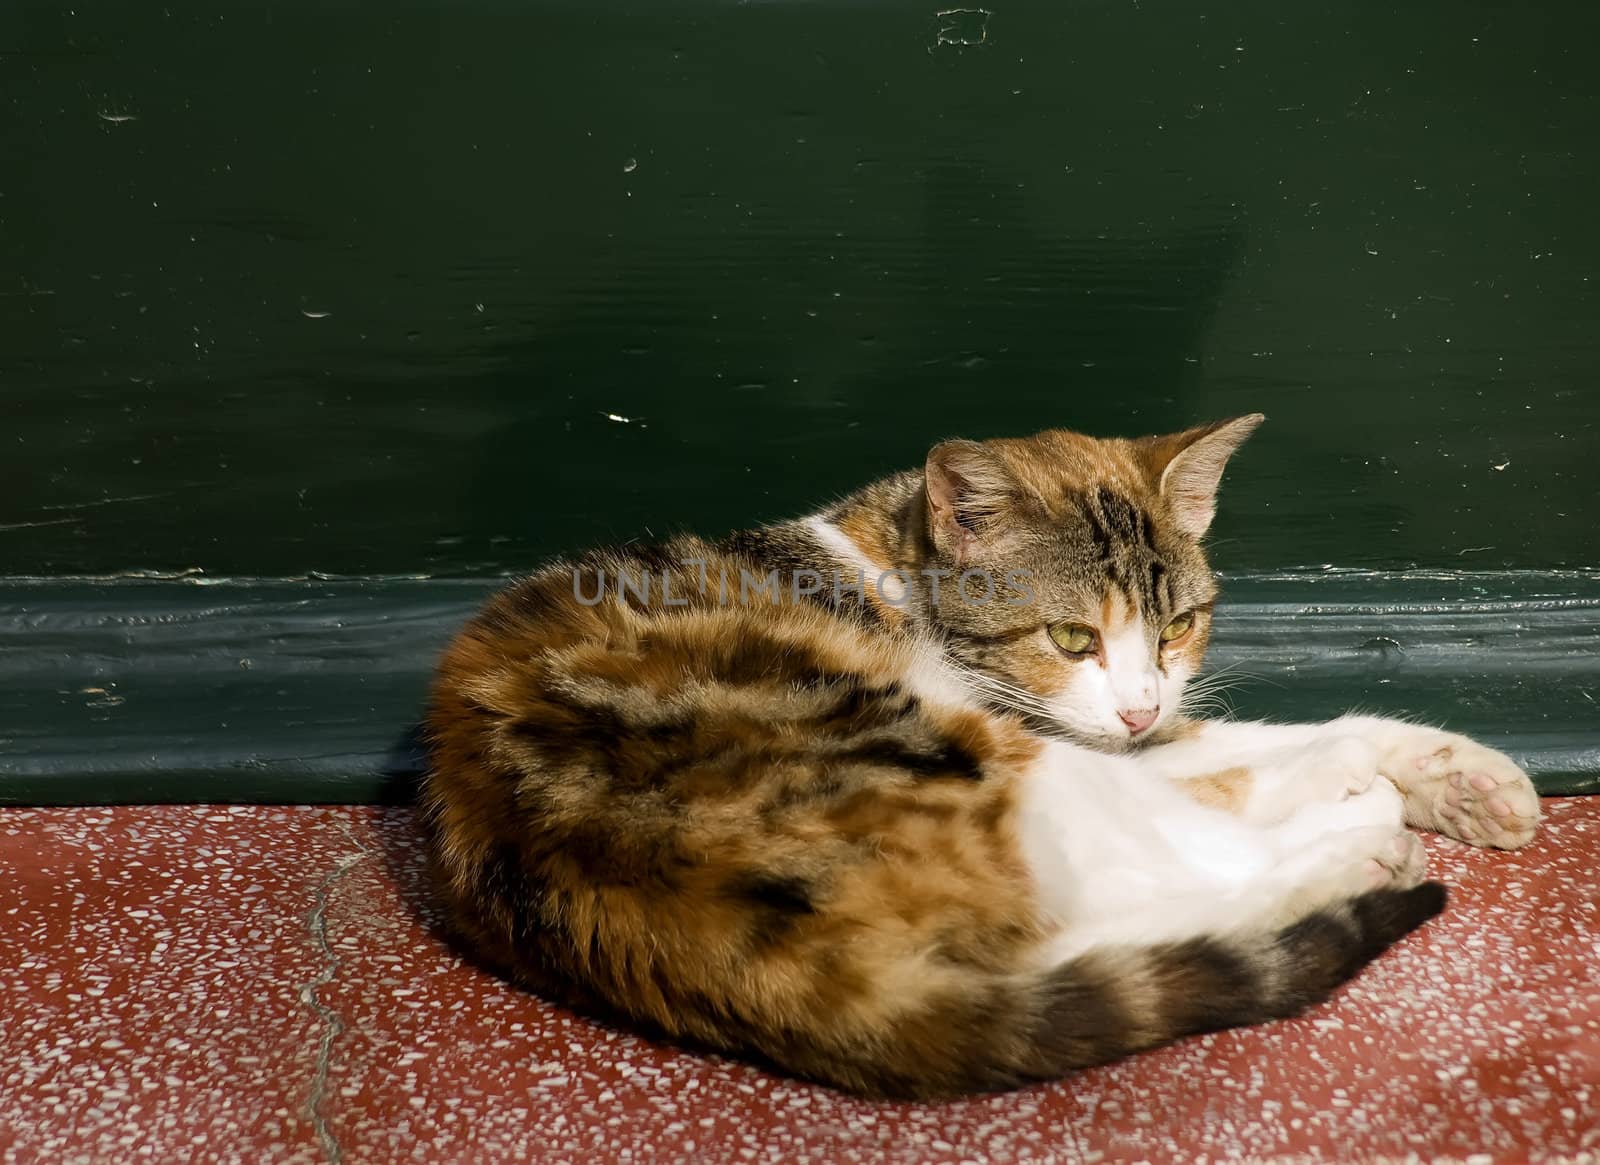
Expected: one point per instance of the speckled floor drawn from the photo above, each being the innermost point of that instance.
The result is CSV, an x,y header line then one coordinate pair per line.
x,y
261,985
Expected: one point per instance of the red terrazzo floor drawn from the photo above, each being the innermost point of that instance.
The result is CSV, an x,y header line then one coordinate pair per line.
x,y
261,985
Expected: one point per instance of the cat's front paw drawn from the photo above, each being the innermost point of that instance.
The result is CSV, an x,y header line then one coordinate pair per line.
x,y
1461,788
1333,770
1399,864
1347,863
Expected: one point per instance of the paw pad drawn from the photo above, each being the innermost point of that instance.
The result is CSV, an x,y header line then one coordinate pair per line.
x,y
1467,791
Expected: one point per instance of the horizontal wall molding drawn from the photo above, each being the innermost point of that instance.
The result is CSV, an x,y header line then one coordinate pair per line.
x,y
141,689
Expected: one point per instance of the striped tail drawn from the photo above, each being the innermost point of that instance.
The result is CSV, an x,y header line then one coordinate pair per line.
x,y
1113,1002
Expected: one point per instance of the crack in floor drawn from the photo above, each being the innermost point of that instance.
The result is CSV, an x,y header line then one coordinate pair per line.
x,y
332,1026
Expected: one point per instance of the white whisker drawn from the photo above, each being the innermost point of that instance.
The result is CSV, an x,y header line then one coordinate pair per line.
x,y
1001,693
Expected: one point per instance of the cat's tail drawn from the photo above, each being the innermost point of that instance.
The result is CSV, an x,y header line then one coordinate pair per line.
x,y
1112,1002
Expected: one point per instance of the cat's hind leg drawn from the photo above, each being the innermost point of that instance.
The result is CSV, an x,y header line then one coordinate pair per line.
x,y
1453,784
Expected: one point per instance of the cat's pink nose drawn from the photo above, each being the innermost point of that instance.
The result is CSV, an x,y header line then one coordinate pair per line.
x,y
1138,719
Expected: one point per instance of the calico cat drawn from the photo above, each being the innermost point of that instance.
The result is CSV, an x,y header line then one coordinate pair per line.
x,y
901,796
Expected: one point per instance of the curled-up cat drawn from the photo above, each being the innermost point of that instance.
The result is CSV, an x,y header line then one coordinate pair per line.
x,y
901,796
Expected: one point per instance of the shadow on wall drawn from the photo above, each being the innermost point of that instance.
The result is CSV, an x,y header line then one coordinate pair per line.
x,y
661,399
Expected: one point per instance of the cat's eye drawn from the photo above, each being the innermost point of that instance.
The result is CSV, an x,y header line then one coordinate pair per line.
x,y
1074,638
1178,628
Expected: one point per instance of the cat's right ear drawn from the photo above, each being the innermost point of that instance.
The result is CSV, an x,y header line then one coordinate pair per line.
x,y
970,495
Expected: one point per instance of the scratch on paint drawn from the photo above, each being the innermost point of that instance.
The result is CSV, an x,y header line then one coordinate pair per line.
x,y
107,501
34,525
963,26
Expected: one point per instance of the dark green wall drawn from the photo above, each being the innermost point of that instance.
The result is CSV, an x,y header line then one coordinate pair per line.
x,y
795,242
374,288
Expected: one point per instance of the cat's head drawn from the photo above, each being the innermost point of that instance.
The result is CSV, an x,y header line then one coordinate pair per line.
x,y
1102,598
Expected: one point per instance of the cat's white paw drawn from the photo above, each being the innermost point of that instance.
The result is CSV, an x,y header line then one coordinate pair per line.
x,y
1341,833
1399,864
1350,862
1331,770
1461,788
1343,767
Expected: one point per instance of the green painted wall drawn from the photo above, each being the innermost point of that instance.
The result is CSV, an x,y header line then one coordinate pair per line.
x,y
352,287
377,288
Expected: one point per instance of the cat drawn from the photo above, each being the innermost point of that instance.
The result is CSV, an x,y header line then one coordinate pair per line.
x,y
901,797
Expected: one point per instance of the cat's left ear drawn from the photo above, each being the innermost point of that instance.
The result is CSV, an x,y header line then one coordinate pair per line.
x,y
1188,467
